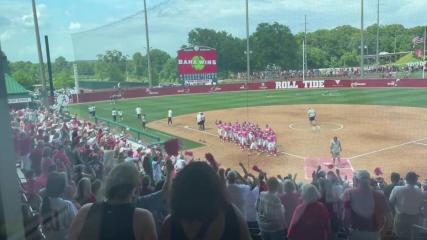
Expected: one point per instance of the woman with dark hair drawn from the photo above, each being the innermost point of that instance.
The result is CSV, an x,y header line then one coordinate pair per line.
x,y
117,218
200,208
56,212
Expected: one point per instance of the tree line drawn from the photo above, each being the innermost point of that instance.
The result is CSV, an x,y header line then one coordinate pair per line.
x,y
271,43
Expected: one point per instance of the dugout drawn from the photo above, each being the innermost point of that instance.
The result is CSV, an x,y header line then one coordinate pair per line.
x,y
17,95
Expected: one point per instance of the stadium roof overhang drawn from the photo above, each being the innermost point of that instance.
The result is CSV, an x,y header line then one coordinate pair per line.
x,y
16,93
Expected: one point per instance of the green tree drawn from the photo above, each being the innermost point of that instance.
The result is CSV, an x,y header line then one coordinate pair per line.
x,y
274,44
316,58
349,59
63,79
230,50
111,66
139,64
26,73
169,72
86,68
24,78
61,65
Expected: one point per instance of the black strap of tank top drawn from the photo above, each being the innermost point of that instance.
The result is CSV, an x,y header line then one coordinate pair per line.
x,y
92,225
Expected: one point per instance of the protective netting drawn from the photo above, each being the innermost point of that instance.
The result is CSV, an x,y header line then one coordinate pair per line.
x,y
127,35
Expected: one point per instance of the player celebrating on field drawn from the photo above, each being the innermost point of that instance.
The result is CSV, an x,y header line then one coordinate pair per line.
x,y
312,118
336,149
143,121
114,114
138,111
170,117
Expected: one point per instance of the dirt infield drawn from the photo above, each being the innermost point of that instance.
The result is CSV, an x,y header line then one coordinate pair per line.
x,y
393,138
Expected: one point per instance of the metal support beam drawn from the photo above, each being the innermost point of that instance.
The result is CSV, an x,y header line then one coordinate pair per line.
x,y
11,224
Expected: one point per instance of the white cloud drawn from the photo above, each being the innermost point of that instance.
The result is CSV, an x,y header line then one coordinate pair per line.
x,y
28,19
171,20
74,26
4,36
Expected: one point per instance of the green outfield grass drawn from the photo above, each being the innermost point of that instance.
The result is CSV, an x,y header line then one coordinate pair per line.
x,y
156,107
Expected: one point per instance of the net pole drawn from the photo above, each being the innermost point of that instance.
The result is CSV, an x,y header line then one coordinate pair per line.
x,y
40,54
303,60
362,47
147,38
247,64
424,58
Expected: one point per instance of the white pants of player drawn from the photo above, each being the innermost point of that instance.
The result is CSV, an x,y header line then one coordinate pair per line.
x,y
253,146
272,147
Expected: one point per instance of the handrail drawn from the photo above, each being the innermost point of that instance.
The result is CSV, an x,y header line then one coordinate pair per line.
x,y
415,229
137,131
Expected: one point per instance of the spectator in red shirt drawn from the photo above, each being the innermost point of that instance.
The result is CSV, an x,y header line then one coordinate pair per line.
x,y
311,219
61,159
290,200
36,158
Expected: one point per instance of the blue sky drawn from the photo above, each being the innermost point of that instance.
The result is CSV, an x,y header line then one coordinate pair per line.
x,y
171,20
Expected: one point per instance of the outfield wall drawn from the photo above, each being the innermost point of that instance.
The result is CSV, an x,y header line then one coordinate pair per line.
x,y
271,85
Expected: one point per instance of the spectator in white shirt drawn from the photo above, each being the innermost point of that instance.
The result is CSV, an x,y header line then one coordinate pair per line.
x,y
138,111
270,212
238,192
407,201
170,117
363,208
425,189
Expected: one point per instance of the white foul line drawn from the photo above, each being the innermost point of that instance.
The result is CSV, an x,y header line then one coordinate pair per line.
x,y
388,148
420,143
293,155
197,130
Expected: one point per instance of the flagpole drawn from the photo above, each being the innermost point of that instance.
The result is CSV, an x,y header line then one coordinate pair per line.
x,y
424,58
303,60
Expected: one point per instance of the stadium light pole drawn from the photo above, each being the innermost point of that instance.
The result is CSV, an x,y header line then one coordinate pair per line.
x,y
362,71
40,55
305,41
248,65
424,58
150,83
303,60
378,33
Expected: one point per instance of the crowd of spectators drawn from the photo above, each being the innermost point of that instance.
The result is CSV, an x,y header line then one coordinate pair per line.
x,y
382,71
89,182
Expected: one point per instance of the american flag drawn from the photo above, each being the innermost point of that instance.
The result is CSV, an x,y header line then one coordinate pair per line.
x,y
418,40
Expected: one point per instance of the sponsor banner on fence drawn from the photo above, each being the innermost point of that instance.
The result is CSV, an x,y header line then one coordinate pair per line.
x,y
375,83
300,84
18,100
270,85
337,83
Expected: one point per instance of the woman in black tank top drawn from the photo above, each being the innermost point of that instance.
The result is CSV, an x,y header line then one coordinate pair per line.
x,y
117,218
200,208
